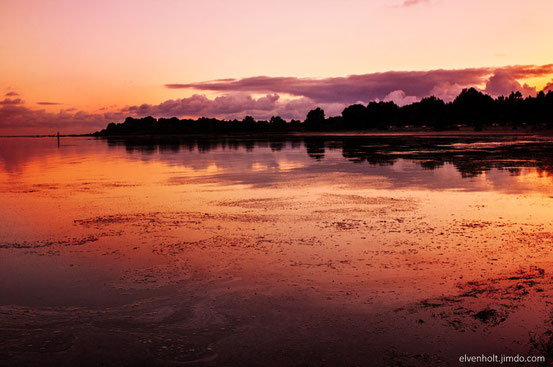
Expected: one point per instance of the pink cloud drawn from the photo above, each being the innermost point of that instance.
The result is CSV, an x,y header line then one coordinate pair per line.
x,y
200,105
407,3
446,91
16,118
230,106
502,83
375,86
400,98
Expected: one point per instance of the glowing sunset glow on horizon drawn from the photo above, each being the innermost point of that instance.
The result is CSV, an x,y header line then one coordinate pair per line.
x,y
74,66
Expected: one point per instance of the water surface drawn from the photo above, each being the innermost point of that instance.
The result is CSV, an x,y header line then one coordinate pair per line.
x,y
373,250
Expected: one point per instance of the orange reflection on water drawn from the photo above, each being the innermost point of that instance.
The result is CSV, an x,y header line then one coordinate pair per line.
x,y
134,223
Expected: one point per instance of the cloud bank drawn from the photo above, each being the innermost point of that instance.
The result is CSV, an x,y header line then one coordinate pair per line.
x,y
229,106
16,118
262,96
376,86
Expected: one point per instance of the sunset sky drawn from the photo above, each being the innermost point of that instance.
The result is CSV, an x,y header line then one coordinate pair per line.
x,y
73,66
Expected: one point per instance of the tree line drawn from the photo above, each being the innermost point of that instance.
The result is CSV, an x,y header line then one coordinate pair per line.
x,y
470,108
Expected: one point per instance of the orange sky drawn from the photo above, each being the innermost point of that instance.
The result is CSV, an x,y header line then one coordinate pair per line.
x,y
104,55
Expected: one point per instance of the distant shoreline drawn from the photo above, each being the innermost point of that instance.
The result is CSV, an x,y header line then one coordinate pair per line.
x,y
471,112
398,132
44,136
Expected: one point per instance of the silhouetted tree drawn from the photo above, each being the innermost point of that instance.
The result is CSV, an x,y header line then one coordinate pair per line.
x,y
277,123
380,115
473,107
315,119
430,111
355,117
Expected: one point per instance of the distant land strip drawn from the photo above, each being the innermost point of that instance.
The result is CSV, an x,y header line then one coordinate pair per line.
x,y
470,108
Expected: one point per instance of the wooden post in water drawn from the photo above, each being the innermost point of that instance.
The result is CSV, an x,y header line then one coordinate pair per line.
x,y
58,139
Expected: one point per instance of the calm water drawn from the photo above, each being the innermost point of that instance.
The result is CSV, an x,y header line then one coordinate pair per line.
x,y
375,250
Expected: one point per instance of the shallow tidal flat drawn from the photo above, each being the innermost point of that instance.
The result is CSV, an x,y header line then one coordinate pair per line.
x,y
376,250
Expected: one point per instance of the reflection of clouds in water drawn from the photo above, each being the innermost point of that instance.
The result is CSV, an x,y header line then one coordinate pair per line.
x,y
17,153
282,165
504,164
403,174
528,180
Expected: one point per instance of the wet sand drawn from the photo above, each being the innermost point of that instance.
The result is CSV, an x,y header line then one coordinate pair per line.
x,y
270,257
